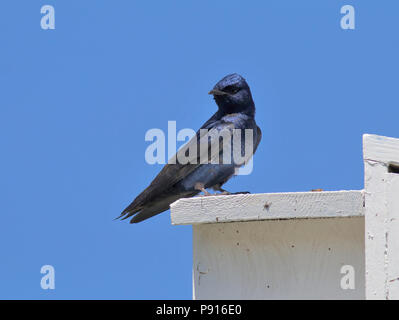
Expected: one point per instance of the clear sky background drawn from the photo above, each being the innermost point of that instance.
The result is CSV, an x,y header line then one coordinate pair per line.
x,y
76,102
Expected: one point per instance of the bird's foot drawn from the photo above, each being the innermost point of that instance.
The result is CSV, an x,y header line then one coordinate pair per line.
x,y
225,192
200,187
206,193
222,191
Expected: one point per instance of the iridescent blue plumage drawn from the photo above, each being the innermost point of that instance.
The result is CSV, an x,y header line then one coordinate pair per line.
x,y
236,110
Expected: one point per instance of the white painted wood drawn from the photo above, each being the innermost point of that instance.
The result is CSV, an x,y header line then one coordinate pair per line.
x,y
382,217
249,207
277,253
380,148
393,236
278,259
269,250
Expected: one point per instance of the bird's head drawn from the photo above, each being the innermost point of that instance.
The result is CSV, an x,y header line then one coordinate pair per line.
x,y
232,95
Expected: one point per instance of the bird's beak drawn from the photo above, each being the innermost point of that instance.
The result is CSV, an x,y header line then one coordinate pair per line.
x,y
216,92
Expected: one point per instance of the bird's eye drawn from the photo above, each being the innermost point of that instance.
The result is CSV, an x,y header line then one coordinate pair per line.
x,y
231,89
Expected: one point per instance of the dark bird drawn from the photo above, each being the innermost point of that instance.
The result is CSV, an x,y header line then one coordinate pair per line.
x,y
236,110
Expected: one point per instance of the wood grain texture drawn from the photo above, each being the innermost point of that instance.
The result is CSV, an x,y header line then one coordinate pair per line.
x,y
278,259
381,149
381,217
250,207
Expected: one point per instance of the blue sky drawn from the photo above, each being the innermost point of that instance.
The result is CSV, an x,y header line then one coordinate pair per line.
x,y
76,102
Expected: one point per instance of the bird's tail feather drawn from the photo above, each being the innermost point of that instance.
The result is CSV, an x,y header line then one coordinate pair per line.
x,y
152,208
149,212
128,212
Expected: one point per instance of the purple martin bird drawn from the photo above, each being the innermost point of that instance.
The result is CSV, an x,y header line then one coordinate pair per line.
x,y
236,110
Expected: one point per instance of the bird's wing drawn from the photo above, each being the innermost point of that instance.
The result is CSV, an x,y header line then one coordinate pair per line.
x,y
207,149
